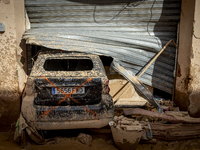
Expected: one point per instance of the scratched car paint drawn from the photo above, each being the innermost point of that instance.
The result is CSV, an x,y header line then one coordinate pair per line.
x,y
67,91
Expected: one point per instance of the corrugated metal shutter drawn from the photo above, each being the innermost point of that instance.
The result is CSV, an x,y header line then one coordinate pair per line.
x,y
130,31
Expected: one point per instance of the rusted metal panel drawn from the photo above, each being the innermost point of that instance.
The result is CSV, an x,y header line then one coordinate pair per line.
x,y
131,32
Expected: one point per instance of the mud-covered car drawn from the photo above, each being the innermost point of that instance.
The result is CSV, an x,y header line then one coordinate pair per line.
x,y
67,91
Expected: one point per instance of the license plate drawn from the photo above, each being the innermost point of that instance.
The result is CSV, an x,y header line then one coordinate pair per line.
x,y
68,90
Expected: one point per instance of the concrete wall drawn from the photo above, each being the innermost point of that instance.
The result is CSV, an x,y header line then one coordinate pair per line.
x,y
184,53
188,76
11,72
19,13
194,85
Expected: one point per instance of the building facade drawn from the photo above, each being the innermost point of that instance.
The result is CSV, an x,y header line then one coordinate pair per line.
x,y
13,65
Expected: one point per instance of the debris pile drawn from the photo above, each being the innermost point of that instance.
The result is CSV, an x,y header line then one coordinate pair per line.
x,y
136,124
126,124
127,132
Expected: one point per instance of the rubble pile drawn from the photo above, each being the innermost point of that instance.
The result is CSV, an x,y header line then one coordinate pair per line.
x,y
128,132
146,124
127,124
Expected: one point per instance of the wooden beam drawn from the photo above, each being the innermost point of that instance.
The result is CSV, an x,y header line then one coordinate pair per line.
x,y
172,132
170,118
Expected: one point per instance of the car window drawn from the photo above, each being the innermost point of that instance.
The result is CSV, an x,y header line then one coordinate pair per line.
x,y
68,64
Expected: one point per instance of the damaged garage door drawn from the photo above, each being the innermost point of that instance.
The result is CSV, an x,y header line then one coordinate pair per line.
x,y
130,31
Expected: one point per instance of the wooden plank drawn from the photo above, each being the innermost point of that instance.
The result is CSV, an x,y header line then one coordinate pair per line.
x,y
170,118
175,131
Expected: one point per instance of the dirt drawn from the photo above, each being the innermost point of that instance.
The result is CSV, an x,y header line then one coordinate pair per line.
x,y
67,140
7,142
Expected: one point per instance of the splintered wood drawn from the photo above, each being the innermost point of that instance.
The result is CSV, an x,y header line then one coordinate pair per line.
x,y
170,118
175,131
174,126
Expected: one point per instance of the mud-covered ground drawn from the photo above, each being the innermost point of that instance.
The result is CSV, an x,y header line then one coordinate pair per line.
x,y
67,140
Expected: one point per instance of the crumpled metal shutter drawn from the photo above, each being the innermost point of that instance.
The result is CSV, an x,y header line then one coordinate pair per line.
x,y
130,31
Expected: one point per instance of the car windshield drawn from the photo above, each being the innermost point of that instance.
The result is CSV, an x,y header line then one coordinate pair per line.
x,y
68,64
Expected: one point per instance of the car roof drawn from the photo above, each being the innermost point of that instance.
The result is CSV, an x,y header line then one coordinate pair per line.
x,y
38,69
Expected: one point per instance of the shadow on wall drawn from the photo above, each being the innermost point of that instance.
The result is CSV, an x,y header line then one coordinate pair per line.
x,y
9,110
168,24
23,59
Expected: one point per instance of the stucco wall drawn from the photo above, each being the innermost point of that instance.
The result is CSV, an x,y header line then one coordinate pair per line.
x,y
185,43
188,73
11,14
194,85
